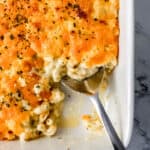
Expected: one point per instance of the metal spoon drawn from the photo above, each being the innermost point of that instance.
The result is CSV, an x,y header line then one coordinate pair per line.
x,y
90,87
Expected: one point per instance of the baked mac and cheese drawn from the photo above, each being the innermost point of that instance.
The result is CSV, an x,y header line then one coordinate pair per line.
x,y
42,41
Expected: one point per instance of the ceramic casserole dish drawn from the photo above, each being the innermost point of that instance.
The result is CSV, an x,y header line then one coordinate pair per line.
x,y
119,103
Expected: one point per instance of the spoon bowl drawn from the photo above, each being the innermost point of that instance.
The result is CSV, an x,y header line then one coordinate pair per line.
x,y
89,85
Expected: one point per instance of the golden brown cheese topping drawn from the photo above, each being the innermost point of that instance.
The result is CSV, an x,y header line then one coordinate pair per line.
x,y
40,42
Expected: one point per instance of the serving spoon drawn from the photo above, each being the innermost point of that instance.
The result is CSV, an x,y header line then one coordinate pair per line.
x,y
90,87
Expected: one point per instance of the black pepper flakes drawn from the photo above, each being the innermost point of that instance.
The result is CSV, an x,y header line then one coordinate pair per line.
x,y
18,93
2,37
103,22
1,68
69,4
81,14
11,37
19,55
7,105
95,19
10,132
53,22
76,6
72,31
19,72
74,24
79,32
6,47
10,94
23,109
21,36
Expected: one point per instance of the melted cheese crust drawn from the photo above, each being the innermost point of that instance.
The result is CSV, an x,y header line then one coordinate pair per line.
x,y
40,42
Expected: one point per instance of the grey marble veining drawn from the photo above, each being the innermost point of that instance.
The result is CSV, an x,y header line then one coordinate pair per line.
x,y
141,133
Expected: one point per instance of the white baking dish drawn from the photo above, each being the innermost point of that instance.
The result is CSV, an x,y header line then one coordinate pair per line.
x,y
120,102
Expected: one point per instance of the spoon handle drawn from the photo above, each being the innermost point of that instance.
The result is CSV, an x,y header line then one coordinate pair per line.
x,y
115,140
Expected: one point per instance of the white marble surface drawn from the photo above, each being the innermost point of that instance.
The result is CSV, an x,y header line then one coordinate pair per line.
x,y
141,133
